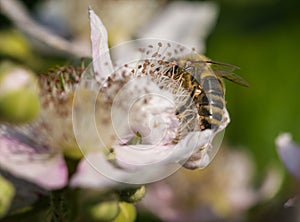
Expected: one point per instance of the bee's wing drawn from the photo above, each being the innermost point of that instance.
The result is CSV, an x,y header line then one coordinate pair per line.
x,y
231,76
226,71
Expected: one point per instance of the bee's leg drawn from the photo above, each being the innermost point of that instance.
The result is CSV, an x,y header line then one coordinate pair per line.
x,y
187,104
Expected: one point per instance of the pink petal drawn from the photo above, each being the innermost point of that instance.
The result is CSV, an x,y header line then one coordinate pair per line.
x,y
87,176
32,162
289,152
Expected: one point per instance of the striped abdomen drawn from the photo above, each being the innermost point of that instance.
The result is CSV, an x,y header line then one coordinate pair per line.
x,y
207,94
211,100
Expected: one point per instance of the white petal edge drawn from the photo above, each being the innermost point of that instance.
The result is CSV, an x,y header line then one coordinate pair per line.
x,y
100,51
199,17
203,157
94,171
135,156
289,152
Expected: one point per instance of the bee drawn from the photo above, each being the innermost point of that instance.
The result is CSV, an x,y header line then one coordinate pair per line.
x,y
203,79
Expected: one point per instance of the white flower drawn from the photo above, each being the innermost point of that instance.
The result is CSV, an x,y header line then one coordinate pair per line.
x,y
289,153
194,19
128,128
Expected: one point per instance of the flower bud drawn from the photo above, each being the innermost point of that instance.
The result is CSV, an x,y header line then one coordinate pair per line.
x,y
127,213
98,205
104,211
132,195
7,193
19,100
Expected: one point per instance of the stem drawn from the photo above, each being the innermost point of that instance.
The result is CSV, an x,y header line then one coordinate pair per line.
x,y
58,211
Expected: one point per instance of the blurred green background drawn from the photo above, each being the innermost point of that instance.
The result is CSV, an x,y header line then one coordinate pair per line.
x,y
263,38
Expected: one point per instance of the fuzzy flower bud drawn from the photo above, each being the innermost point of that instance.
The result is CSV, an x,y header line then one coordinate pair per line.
x,y
19,101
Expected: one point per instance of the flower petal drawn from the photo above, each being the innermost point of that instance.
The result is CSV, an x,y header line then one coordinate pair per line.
x,y
95,171
20,156
205,154
199,17
289,152
225,121
141,106
87,176
148,156
100,52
